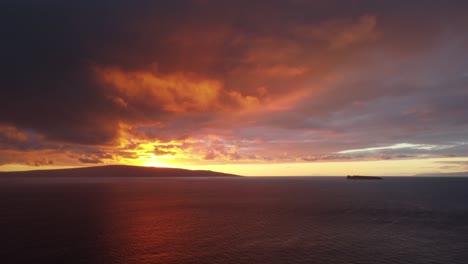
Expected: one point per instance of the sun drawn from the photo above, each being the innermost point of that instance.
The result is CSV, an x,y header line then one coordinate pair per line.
x,y
156,163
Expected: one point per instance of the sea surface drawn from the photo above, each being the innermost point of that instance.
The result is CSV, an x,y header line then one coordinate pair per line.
x,y
234,220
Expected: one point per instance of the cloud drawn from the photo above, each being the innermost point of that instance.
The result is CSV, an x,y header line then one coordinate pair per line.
x,y
393,147
342,33
453,164
159,151
238,82
89,161
177,93
10,133
40,162
211,155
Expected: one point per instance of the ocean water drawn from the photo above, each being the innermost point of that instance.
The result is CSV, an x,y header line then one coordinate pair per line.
x,y
234,220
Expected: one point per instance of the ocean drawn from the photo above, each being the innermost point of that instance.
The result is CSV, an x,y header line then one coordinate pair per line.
x,y
234,220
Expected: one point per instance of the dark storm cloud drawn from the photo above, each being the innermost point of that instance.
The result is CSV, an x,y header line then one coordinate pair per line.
x,y
48,48
46,85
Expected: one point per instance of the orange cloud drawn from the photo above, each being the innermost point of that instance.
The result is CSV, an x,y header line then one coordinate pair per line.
x,y
342,33
176,93
173,93
12,133
361,31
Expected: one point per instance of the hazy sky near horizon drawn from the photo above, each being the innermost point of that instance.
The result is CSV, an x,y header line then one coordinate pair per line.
x,y
314,87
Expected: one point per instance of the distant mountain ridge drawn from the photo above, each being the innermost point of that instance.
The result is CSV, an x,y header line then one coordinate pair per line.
x,y
117,171
449,174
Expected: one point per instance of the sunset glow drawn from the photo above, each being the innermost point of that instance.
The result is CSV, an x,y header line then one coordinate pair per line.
x,y
284,88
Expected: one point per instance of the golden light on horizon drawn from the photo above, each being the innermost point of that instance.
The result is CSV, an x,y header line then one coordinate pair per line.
x,y
338,89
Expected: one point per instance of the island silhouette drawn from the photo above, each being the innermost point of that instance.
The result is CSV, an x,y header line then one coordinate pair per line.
x,y
359,177
117,171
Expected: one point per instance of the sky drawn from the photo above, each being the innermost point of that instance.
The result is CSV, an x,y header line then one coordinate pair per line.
x,y
253,87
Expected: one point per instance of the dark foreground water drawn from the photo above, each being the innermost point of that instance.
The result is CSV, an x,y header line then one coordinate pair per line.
x,y
234,220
